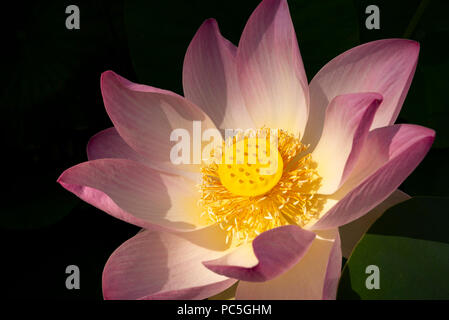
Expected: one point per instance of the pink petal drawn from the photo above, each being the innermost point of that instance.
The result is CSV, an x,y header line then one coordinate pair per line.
x,y
351,233
388,156
135,193
160,265
383,66
108,144
271,72
145,118
347,122
333,271
210,78
307,279
273,252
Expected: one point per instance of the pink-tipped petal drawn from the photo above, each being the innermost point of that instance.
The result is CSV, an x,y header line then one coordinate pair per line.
x,y
271,73
108,144
383,66
145,117
135,193
160,265
347,123
388,156
210,78
271,254
351,233
307,279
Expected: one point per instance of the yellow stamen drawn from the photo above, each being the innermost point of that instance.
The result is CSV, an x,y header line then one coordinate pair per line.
x,y
247,194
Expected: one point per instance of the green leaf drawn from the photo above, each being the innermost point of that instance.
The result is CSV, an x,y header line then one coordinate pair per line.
x,y
410,246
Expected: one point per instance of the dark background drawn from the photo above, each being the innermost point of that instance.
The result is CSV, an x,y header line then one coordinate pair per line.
x,y
51,105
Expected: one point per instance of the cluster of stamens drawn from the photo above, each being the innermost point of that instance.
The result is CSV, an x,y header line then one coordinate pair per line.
x,y
245,198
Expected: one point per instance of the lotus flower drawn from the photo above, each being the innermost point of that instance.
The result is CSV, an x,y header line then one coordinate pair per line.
x,y
342,157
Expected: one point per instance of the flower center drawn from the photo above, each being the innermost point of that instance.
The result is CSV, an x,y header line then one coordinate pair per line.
x,y
257,185
253,168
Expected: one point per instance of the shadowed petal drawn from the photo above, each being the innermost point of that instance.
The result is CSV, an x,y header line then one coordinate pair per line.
x,y
160,265
269,255
145,118
348,119
333,270
307,279
389,155
210,78
135,193
383,66
108,144
271,72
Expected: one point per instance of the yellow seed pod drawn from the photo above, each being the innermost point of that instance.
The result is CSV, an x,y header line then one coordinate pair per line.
x,y
250,167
